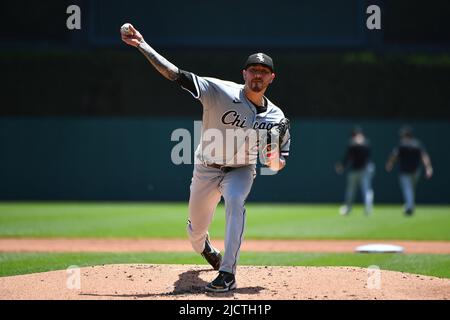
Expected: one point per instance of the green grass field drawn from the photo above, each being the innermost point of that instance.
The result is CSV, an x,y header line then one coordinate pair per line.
x,y
426,264
264,221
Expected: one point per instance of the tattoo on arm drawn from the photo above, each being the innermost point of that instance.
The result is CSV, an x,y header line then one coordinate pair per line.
x,y
167,69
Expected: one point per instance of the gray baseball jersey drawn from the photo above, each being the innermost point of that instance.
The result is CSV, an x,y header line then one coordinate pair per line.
x,y
227,112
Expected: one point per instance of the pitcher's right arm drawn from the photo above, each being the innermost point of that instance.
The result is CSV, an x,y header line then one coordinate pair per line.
x,y
165,67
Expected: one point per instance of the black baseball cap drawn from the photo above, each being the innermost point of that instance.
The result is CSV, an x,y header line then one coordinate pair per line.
x,y
259,58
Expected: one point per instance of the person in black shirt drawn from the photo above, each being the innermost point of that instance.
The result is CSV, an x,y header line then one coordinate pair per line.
x,y
360,171
410,154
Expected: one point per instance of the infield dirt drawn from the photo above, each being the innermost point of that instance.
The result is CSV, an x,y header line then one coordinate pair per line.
x,y
155,282
182,245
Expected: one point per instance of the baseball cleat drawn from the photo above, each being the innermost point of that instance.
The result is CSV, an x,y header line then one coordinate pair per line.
x,y
344,210
224,282
212,255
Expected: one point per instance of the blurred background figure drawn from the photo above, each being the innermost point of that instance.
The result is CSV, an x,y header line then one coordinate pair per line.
x,y
410,154
360,171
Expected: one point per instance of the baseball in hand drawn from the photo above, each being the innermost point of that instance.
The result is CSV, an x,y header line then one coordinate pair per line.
x,y
125,29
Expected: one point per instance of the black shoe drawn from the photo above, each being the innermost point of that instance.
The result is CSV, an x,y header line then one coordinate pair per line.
x,y
224,282
212,255
409,212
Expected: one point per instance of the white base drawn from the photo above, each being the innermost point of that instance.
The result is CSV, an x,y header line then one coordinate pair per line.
x,y
379,248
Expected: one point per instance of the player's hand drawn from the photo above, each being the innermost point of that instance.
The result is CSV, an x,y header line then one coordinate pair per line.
x,y
274,162
133,38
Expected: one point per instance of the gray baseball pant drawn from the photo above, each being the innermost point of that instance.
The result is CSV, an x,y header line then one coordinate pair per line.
x,y
207,186
408,182
362,177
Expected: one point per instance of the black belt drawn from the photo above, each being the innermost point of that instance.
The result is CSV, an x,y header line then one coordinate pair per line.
x,y
219,166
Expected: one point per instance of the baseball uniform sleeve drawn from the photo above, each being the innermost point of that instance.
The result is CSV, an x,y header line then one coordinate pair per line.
x,y
195,85
286,144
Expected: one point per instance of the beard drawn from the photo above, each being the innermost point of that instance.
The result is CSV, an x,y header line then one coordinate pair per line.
x,y
257,86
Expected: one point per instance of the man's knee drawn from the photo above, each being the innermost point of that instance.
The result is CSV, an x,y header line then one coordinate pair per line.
x,y
196,237
234,200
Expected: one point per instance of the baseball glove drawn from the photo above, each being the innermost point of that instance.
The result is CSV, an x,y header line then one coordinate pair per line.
x,y
275,136
283,126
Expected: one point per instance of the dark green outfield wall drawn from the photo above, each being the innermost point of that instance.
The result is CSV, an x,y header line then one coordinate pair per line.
x,y
129,159
122,83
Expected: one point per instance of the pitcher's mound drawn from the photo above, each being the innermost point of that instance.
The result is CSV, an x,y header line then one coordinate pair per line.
x,y
147,281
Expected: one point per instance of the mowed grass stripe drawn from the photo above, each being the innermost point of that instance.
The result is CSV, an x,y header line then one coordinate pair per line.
x,y
425,264
264,221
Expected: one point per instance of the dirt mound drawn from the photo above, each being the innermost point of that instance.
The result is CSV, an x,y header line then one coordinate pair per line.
x,y
147,281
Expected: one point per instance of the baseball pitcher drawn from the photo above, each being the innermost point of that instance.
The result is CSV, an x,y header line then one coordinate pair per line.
x,y
238,123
